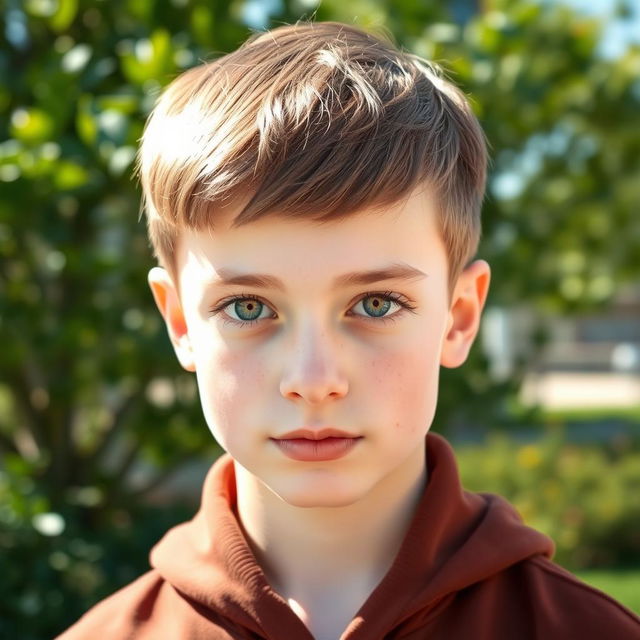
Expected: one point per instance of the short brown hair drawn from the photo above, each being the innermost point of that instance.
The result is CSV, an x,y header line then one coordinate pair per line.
x,y
314,119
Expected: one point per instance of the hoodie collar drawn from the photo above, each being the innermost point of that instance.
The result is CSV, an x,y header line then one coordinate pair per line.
x,y
456,538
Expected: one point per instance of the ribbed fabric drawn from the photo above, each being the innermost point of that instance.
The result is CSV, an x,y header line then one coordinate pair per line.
x,y
467,568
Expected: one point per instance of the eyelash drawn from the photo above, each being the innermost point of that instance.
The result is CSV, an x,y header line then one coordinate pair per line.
x,y
387,295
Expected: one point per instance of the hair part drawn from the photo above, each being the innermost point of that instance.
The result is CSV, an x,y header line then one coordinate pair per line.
x,y
315,120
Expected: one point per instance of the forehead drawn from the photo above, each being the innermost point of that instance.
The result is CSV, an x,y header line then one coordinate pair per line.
x,y
300,250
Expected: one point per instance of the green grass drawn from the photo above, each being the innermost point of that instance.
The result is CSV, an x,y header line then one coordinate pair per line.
x,y
621,584
632,414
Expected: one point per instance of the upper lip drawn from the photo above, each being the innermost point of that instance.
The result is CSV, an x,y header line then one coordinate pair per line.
x,y
316,434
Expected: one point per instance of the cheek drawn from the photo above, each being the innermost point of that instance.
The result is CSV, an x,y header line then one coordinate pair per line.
x,y
231,384
405,385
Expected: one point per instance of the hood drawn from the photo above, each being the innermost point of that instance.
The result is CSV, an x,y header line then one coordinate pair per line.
x,y
456,538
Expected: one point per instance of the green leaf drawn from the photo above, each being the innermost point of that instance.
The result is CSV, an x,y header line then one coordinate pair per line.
x,y
64,16
150,59
31,125
69,175
86,120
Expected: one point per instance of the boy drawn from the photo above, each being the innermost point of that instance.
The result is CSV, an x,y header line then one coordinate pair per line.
x,y
313,199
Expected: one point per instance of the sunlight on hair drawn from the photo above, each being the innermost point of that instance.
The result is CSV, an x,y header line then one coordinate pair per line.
x,y
317,120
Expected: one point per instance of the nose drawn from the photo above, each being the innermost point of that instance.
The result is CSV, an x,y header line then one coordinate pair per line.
x,y
312,370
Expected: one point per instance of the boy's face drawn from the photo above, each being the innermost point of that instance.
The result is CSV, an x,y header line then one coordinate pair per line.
x,y
318,354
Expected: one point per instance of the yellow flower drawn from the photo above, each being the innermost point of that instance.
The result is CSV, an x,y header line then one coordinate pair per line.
x,y
529,456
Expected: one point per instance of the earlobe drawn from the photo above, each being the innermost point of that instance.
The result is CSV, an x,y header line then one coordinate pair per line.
x,y
167,300
469,297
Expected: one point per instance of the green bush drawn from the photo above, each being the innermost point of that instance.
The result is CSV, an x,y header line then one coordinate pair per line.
x,y
586,498
56,563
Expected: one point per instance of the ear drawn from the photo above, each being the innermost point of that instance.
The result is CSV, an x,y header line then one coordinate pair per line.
x,y
467,301
168,301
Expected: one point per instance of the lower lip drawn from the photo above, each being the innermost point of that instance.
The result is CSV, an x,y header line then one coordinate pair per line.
x,y
306,450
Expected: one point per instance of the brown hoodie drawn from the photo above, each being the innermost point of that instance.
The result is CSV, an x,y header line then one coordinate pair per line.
x,y
468,568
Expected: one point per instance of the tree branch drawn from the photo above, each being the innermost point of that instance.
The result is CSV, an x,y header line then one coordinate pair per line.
x,y
120,417
8,445
32,419
164,475
129,459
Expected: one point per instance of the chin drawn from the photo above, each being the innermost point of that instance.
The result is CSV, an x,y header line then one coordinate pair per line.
x,y
311,497
326,502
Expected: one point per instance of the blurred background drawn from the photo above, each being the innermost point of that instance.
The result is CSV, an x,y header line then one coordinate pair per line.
x,y
102,443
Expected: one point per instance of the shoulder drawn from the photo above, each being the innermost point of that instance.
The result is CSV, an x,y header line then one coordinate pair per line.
x,y
562,603
535,599
147,609
119,615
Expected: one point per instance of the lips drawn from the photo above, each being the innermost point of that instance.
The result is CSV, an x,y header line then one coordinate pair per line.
x,y
316,445
309,433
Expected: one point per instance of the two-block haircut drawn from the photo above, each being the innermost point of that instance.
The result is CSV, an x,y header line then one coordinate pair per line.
x,y
316,120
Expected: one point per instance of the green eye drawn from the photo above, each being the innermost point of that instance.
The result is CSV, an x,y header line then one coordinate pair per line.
x,y
248,309
377,306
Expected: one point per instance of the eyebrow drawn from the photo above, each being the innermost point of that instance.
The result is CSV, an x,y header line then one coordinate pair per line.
x,y
396,271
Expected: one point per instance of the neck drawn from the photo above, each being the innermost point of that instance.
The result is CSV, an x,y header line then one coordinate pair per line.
x,y
306,552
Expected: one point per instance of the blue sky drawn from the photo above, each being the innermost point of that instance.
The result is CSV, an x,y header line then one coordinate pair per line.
x,y
618,32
